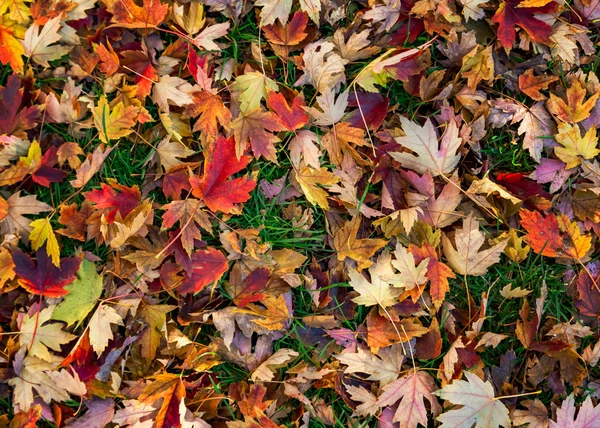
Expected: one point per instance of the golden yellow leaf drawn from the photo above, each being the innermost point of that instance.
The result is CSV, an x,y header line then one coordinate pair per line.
x,y
42,232
273,316
516,248
346,243
7,265
310,179
17,10
114,124
478,65
575,147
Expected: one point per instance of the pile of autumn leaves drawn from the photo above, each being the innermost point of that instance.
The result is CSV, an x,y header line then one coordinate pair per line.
x,y
139,336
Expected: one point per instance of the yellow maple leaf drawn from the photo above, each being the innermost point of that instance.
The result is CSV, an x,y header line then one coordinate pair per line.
x,y
7,266
347,245
252,87
310,179
42,232
114,124
575,147
33,160
274,314
17,10
478,65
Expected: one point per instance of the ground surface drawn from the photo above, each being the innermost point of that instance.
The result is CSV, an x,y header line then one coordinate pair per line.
x,y
299,213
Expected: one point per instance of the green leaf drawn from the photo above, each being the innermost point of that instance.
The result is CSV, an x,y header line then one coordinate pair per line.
x,y
84,292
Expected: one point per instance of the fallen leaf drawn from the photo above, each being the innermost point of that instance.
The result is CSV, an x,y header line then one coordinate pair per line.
x,y
43,277
38,42
114,124
468,258
214,188
129,15
42,232
15,119
588,415
206,39
190,217
210,111
11,50
17,207
575,147
274,9
348,245
99,327
513,293
323,68
536,415
208,266
171,90
91,166
38,336
254,128
409,276
531,85
554,236
264,372
378,291
434,157
480,407
291,116
83,294
511,15
384,367
575,109
311,180
272,316
410,392
253,88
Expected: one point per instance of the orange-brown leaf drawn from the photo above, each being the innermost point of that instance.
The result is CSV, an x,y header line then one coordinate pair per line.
x,y
574,109
348,245
554,236
211,113
129,15
531,85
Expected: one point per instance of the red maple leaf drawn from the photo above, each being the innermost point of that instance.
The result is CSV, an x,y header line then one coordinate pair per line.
x,y
208,266
13,121
123,201
175,181
410,25
289,34
292,117
43,277
83,360
142,66
252,286
554,236
510,16
371,111
214,188
46,173
196,63
519,185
